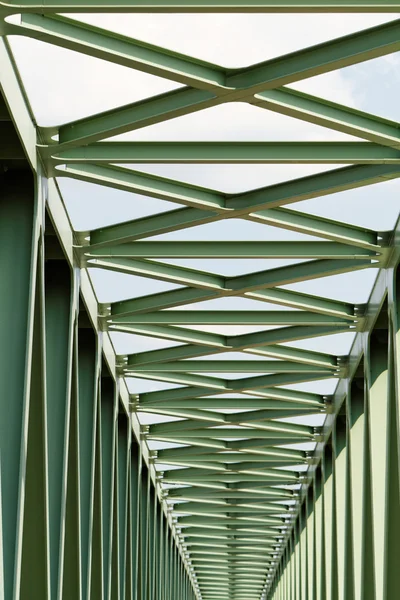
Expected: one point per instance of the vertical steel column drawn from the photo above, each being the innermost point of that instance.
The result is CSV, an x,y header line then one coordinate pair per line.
x,y
348,528
108,403
23,438
61,313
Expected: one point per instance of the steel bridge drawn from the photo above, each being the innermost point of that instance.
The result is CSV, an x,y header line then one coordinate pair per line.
x,y
244,485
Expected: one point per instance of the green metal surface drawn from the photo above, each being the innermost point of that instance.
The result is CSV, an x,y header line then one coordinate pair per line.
x,y
206,5
216,484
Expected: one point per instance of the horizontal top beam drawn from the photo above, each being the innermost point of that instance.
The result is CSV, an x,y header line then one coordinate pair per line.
x,y
232,317
234,366
232,152
211,249
204,6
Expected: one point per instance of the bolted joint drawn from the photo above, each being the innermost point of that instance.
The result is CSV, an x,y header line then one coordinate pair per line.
x,y
342,367
104,310
360,310
120,366
133,403
328,404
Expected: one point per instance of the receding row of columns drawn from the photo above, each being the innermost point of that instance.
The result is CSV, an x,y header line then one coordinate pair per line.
x,y
345,544
79,515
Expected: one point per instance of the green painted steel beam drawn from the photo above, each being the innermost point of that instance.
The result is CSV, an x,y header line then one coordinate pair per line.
x,y
226,543
292,274
237,584
153,186
241,523
198,414
250,416
300,403
181,102
257,343
233,533
322,58
208,508
230,561
218,317
183,218
118,49
165,272
247,443
208,6
178,334
279,352
240,467
328,229
332,115
262,437
254,285
137,115
271,74
232,578
231,152
319,304
252,444
368,42
238,205
240,581
203,508
308,400
234,538
220,386
214,524
212,249
175,298
222,463
196,455
207,415
225,366
190,425
281,335
312,186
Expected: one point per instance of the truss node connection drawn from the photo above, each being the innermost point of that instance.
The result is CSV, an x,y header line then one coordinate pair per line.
x,y
207,462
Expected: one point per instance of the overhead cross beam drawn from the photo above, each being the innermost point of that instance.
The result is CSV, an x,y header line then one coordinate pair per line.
x,y
232,153
234,317
218,249
238,205
222,85
206,6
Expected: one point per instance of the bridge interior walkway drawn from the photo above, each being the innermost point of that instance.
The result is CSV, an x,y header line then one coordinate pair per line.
x,y
199,390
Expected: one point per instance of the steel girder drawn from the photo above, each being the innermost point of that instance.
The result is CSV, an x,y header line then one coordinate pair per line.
x,y
118,519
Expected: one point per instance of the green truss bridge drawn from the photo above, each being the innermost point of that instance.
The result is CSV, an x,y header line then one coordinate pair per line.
x,y
199,300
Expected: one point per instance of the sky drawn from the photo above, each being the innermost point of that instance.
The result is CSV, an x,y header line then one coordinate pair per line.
x,y
64,86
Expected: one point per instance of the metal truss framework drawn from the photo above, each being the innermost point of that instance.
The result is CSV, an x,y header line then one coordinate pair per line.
x,y
86,511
